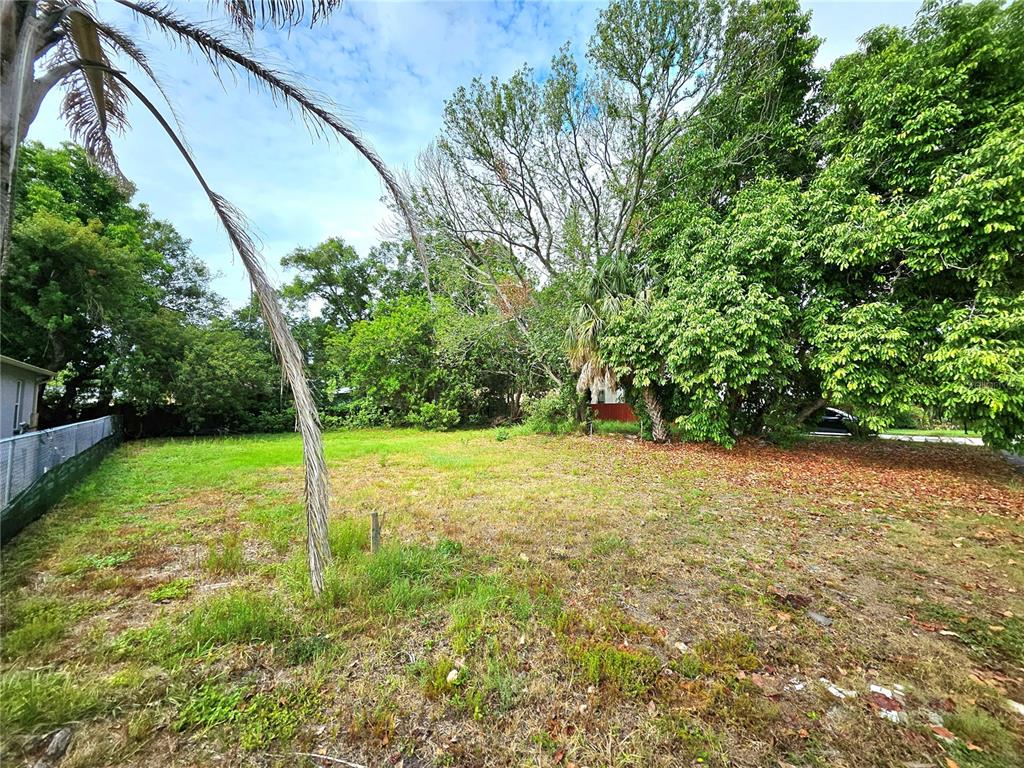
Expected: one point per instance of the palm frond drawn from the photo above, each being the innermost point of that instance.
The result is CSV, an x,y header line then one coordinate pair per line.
x,y
318,113
86,40
288,352
122,44
244,14
94,102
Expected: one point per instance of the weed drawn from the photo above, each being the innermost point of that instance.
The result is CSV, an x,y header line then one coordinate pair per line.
x,y
610,544
1001,640
479,604
80,565
178,589
306,649
35,700
976,726
38,623
236,617
226,556
210,705
272,717
348,537
695,741
727,654
376,723
156,644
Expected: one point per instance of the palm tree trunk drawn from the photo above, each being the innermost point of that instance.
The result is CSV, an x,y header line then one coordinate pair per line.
x,y
659,428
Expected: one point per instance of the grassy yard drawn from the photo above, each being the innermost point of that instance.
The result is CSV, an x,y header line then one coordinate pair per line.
x,y
539,601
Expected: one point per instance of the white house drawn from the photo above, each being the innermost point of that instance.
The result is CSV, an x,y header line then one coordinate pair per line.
x,y
21,385
603,393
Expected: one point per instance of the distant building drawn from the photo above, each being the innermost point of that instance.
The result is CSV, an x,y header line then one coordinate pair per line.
x,y
609,403
21,385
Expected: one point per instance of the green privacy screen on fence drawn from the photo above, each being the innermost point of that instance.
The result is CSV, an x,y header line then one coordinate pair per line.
x,y
32,502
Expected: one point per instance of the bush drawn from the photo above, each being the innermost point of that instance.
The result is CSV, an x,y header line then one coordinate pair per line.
x,y
434,416
554,412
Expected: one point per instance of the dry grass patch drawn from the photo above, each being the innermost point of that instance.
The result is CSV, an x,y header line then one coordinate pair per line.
x,y
538,601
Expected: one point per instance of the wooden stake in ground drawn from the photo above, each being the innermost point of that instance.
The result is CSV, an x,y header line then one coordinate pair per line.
x,y
374,532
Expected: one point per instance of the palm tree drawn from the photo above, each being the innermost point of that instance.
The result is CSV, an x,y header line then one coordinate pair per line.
x,y
603,290
66,43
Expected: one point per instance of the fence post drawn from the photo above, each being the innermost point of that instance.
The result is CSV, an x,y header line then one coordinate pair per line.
x,y
374,532
10,473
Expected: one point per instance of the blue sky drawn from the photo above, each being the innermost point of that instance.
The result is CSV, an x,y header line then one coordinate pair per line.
x,y
390,65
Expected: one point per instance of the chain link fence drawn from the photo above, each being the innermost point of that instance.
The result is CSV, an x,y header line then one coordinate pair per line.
x,y
24,459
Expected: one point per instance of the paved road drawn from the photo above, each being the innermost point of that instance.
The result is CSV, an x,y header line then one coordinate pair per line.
x,y
935,439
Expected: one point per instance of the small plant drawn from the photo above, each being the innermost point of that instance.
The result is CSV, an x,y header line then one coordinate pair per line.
x,y
273,717
376,723
610,544
501,434
349,536
236,617
34,701
631,672
974,725
172,590
210,705
226,557
80,565
306,649
727,654
695,740
34,625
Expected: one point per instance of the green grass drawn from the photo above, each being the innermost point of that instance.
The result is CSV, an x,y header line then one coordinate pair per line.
x,y
165,604
630,672
177,589
226,555
32,701
237,617
996,639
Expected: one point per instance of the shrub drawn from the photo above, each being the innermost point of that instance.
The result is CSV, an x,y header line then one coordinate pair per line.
x,y
554,412
434,416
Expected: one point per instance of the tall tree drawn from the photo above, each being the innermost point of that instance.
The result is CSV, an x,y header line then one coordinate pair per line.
x,y
45,43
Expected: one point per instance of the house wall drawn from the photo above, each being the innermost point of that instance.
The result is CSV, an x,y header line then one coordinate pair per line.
x,y
10,375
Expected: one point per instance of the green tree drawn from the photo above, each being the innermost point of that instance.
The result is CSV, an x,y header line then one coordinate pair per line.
x,y
226,381
915,222
95,287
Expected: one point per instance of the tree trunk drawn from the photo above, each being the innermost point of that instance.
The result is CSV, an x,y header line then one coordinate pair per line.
x,y
659,429
805,412
15,79
24,38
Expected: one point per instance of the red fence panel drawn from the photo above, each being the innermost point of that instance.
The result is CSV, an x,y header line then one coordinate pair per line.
x,y
613,411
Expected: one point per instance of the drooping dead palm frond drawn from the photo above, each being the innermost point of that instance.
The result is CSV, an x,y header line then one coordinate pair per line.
x,y
288,352
94,102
